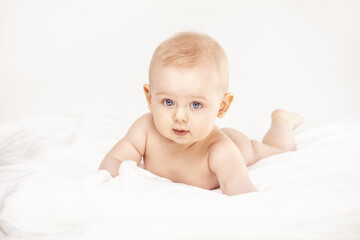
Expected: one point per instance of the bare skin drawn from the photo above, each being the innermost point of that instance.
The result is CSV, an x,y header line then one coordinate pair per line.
x,y
278,139
178,140
192,165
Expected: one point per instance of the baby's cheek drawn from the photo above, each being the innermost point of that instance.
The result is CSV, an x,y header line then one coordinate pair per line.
x,y
162,122
204,127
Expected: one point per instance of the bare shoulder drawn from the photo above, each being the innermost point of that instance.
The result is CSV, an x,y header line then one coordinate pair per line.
x,y
137,133
227,163
221,151
131,147
142,124
144,120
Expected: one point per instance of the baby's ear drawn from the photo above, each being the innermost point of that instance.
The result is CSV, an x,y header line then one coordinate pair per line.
x,y
148,95
225,104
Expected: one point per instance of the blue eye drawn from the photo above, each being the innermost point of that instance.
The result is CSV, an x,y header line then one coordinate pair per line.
x,y
168,102
196,105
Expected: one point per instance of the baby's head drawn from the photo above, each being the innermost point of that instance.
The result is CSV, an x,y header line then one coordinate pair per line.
x,y
190,50
188,79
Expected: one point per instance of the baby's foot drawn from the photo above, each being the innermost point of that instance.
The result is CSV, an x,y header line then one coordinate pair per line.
x,y
282,116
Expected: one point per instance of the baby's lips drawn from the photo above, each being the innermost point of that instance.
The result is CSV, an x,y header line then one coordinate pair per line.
x,y
179,132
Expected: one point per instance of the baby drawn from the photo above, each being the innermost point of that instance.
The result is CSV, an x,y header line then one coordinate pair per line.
x,y
178,139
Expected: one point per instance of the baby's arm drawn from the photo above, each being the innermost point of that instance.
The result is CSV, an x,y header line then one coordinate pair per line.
x,y
226,161
130,147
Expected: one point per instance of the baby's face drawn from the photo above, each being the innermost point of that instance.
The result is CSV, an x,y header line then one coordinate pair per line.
x,y
185,102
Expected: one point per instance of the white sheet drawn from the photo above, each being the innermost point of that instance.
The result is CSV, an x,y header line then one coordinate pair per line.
x,y
50,188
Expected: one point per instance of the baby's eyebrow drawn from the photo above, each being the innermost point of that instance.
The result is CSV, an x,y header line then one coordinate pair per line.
x,y
190,96
161,93
199,97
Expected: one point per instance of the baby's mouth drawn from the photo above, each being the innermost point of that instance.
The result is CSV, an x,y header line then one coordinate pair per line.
x,y
180,132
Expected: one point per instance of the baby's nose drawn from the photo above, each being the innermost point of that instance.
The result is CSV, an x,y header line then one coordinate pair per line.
x,y
180,115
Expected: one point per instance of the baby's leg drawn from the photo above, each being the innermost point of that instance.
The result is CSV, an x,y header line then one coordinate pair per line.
x,y
280,135
278,139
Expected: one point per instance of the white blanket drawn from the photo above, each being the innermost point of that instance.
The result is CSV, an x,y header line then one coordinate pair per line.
x,y
50,188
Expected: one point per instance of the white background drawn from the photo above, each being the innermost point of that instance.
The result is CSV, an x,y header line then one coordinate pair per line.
x,y
91,57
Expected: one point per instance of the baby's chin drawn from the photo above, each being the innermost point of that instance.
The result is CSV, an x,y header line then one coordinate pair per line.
x,y
182,140
187,139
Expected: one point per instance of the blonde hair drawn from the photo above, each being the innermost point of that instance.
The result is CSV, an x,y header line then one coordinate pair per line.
x,y
188,50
